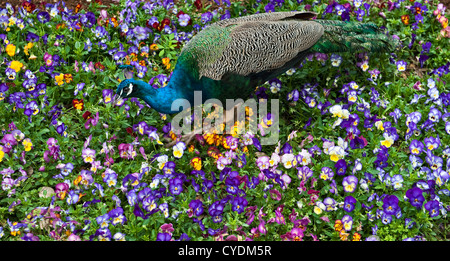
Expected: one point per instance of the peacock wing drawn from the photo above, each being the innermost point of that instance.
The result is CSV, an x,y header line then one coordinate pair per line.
x,y
272,16
262,47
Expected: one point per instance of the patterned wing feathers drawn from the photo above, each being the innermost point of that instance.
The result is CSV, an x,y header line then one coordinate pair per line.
x,y
259,46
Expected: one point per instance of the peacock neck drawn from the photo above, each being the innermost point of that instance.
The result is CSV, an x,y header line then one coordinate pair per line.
x,y
172,98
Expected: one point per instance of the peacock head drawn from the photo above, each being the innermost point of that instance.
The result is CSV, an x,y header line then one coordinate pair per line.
x,y
128,88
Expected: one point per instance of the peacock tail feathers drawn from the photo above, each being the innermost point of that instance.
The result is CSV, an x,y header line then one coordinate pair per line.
x,y
342,36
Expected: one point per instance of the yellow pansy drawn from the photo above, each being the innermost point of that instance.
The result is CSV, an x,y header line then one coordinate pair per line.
x,y
196,163
28,47
59,79
154,47
16,65
166,61
27,144
11,49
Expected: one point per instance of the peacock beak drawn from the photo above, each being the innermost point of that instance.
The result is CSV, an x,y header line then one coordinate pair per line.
x,y
118,97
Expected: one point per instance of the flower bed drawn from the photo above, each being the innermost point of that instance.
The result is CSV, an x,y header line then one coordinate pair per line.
x,y
363,152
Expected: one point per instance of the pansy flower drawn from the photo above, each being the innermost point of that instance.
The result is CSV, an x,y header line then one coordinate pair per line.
x,y
304,157
336,60
441,176
238,204
175,186
336,153
73,197
330,204
432,207
432,143
418,8
386,218
215,211
222,162
110,177
275,85
347,222
8,183
27,144
304,173
397,181
338,226
162,160
319,207
16,66
405,19
3,89
30,84
31,109
117,216
88,155
196,163
341,167
388,140
415,161
288,160
78,104
401,65
149,203
232,184
350,183
43,17
310,101
90,120
103,220
294,95
415,197
107,95
196,206
164,207
10,74
67,169
352,96
178,149
349,203
184,19
232,142
338,111
263,162
10,49
434,115
59,79
390,205
433,93
14,227
326,173
9,141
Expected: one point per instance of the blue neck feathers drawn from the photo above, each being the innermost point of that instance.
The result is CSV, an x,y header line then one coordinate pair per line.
x,y
166,99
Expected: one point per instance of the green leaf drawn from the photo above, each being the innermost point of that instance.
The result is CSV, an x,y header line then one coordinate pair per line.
x,y
78,46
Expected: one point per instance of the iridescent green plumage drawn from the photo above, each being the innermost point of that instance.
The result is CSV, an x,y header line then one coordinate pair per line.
x,y
340,36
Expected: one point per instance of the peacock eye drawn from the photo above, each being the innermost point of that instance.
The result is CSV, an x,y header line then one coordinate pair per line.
x,y
129,89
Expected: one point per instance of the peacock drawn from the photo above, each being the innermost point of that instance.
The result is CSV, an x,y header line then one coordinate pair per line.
x,y
230,58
